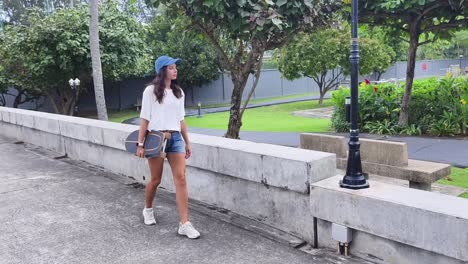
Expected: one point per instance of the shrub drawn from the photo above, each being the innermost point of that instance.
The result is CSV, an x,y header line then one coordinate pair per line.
x,y
438,107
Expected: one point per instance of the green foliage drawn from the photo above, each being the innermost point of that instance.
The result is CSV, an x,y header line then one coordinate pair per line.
x,y
270,64
304,56
338,120
52,49
438,108
175,37
445,48
14,65
243,19
411,130
425,20
383,127
16,11
397,48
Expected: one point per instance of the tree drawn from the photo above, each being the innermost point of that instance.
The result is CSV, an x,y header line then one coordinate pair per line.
x,y
16,10
13,73
304,56
46,51
175,37
241,31
415,18
96,59
396,47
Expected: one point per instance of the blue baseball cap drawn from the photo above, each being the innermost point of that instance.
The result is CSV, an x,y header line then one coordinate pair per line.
x,y
165,61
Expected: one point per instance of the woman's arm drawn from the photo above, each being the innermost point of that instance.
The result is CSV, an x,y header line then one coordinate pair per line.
x,y
183,131
141,137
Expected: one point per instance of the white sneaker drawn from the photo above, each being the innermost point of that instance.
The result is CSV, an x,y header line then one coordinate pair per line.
x,y
148,215
188,230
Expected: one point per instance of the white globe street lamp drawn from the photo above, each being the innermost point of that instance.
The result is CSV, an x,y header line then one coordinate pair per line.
x,y
74,86
74,83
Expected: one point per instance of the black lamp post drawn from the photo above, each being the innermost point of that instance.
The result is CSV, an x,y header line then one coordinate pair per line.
x,y
199,110
461,68
354,178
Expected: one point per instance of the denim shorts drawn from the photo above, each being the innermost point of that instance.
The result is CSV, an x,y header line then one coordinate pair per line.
x,y
176,144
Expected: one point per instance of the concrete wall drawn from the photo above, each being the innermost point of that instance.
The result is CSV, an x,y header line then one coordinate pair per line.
x,y
283,187
436,223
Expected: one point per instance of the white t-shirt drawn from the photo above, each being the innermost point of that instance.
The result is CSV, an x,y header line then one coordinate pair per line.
x,y
162,116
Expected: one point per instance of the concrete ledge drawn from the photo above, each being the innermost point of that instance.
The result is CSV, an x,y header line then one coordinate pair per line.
x,y
393,162
325,143
395,154
278,166
424,220
417,171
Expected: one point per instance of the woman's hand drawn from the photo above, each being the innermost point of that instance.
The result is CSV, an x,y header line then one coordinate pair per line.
x,y
140,152
188,151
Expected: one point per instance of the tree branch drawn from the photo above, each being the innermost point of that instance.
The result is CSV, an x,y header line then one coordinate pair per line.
x,y
430,8
257,77
315,78
425,42
403,39
52,101
334,78
447,25
210,34
368,15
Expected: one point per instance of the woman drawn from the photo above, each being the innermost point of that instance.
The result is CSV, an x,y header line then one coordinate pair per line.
x,y
163,109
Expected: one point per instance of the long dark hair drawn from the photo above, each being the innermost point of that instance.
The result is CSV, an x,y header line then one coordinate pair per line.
x,y
159,84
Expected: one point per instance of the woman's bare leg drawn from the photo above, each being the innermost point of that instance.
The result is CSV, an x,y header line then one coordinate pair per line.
x,y
177,162
156,169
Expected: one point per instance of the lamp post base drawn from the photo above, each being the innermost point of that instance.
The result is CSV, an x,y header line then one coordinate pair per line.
x,y
353,183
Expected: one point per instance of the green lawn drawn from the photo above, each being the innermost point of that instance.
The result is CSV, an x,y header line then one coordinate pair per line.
x,y
254,101
459,177
276,118
121,116
118,117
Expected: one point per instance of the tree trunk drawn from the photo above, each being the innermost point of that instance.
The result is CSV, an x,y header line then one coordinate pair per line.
x,y
2,100
379,75
235,119
96,60
411,65
321,85
52,102
240,73
258,70
17,100
322,94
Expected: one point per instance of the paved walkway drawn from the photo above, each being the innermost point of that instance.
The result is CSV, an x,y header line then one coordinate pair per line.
x,y
64,211
325,112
